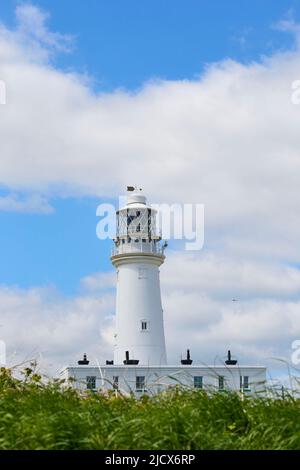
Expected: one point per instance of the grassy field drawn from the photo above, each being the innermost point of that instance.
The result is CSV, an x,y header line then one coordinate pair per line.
x,y
38,416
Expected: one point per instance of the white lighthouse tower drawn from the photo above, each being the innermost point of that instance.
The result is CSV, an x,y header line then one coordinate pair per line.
x,y
137,256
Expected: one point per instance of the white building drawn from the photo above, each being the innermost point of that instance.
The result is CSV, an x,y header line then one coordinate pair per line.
x,y
140,361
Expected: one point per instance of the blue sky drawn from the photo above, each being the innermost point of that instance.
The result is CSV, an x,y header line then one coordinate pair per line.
x,y
190,100
56,249
125,43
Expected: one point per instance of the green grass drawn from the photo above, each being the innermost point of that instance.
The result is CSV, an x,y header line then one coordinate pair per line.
x,y
48,416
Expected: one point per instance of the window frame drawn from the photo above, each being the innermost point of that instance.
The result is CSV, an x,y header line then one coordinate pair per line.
x,y
91,379
144,322
221,383
141,381
198,382
244,387
115,382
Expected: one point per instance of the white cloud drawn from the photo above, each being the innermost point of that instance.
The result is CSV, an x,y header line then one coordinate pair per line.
x,y
98,281
200,314
39,323
31,40
31,23
227,278
33,204
288,24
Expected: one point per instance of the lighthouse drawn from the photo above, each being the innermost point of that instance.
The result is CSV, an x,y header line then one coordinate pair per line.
x,y
137,256
139,365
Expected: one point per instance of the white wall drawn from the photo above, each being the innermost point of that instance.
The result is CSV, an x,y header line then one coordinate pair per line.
x,y
139,298
158,379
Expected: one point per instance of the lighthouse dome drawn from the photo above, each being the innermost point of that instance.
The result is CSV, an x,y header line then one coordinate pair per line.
x,y
136,199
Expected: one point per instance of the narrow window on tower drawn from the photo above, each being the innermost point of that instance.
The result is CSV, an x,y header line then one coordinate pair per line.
x,y
144,325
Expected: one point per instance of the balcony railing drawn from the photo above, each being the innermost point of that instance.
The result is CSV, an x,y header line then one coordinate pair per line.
x,y
137,247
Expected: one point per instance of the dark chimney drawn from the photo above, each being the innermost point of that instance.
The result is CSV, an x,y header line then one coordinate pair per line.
x,y
188,361
132,362
229,361
84,361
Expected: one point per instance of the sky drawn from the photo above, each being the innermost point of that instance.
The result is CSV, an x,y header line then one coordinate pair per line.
x,y
190,100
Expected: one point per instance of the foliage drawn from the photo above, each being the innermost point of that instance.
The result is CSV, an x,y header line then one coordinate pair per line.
x,y
52,415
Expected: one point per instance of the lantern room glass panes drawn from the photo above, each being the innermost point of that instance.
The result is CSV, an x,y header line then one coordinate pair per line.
x,y
136,223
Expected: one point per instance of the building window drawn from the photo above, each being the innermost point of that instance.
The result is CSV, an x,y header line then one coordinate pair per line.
x,y
198,381
142,273
221,382
144,325
91,382
116,382
140,383
244,382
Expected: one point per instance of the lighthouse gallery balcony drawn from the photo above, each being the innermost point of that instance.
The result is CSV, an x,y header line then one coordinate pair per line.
x,y
137,246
